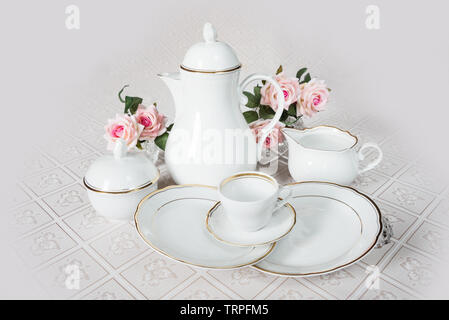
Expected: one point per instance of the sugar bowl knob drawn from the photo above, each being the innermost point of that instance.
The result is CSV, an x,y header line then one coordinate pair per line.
x,y
209,33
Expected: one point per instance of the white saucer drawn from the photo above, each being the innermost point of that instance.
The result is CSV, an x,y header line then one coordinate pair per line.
x,y
222,229
336,227
171,221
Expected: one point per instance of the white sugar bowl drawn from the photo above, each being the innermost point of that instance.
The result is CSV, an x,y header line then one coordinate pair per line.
x,y
116,183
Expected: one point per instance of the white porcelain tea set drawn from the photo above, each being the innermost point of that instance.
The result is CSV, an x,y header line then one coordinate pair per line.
x,y
223,213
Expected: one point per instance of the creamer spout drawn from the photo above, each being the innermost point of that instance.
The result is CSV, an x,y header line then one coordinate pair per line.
x,y
292,135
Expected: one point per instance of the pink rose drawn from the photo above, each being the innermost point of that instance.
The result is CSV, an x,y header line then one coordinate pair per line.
x,y
273,138
125,127
152,120
289,86
313,97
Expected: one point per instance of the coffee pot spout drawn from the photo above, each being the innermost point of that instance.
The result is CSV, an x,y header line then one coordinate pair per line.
x,y
173,82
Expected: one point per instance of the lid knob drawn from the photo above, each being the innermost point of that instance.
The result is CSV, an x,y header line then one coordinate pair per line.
x,y
209,33
120,149
210,55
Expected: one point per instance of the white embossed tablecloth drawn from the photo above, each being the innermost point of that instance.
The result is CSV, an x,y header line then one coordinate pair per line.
x,y
56,227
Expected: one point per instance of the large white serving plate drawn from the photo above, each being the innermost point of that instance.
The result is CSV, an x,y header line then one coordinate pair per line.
x,y
172,221
335,227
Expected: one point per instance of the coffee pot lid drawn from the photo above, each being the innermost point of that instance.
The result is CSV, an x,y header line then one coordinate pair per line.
x,y
121,171
210,56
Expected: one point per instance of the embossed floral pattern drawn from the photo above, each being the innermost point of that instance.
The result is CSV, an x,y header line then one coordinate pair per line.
x,y
435,239
336,278
417,271
431,239
90,219
407,197
244,276
157,271
107,296
385,295
291,294
123,242
68,198
200,294
45,242
50,180
26,217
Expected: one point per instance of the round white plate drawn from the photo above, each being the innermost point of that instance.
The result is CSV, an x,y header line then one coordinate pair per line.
x,y
222,229
336,226
171,221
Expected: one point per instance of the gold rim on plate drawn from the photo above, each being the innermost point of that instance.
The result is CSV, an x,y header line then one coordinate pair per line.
x,y
343,265
211,211
136,222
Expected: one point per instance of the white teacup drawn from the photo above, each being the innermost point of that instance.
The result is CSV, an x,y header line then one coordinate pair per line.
x,y
250,198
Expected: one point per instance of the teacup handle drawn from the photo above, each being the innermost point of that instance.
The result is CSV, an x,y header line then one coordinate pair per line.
x,y
286,198
373,163
281,102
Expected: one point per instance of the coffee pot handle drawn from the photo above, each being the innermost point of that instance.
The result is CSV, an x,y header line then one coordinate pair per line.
x,y
373,163
281,102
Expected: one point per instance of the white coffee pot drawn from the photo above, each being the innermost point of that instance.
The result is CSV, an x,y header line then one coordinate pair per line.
x,y
210,139
326,153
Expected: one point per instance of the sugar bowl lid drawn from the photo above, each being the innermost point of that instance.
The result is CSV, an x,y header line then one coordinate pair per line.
x,y
210,56
121,172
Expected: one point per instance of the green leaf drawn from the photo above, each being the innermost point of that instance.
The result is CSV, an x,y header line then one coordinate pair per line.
x,y
131,104
279,70
307,78
291,123
170,127
139,145
263,82
329,89
120,93
284,116
161,141
300,73
250,116
292,110
253,101
257,93
265,112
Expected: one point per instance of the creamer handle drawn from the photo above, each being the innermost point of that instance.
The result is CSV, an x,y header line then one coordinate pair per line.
x,y
373,163
281,102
